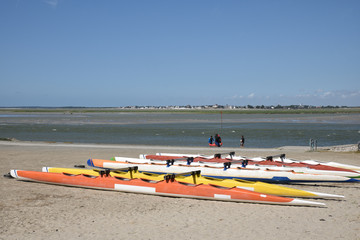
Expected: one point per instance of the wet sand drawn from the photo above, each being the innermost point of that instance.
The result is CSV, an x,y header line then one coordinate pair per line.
x,y
41,211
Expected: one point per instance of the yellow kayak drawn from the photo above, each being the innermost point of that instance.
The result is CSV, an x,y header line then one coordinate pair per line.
x,y
196,178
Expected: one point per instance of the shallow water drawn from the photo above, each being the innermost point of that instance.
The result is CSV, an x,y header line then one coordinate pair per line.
x,y
183,129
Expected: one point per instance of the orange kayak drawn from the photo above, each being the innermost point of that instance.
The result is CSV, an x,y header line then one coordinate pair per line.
x,y
169,187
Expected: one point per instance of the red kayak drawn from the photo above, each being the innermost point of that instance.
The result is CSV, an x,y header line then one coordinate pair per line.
x,y
214,145
264,162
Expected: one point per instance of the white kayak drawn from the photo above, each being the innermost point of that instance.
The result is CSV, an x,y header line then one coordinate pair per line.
x,y
246,174
251,167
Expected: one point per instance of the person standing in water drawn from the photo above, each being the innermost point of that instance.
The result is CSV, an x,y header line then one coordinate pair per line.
x,y
242,141
217,140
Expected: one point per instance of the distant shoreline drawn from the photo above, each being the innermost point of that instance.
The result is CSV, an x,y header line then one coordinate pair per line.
x,y
71,110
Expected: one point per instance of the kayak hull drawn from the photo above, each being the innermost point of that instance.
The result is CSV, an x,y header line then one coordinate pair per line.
x,y
305,166
234,164
230,173
259,187
162,188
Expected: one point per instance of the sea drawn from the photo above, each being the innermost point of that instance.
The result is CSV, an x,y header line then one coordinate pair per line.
x,y
183,129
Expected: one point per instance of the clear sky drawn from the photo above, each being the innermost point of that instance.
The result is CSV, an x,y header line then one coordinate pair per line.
x,y
178,52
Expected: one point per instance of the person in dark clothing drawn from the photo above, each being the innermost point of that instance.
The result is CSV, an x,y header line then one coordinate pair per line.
x,y
242,141
217,140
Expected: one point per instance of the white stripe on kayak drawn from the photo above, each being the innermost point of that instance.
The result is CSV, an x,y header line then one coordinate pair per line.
x,y
304,202
326,195
246,188
136,189
222,196
13,173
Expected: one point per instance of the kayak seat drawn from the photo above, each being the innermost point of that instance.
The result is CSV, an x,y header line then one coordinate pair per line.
x,y
70,174
121,178
89,176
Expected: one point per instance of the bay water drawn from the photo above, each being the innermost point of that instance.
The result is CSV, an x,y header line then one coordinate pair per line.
x,y
183,129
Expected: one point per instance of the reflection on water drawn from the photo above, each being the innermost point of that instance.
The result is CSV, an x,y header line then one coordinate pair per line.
x,y
260,130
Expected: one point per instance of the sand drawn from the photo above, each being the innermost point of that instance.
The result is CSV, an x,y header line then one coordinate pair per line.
x,y
42,211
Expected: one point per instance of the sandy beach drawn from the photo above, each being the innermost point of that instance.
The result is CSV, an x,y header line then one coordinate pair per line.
x,y
42,211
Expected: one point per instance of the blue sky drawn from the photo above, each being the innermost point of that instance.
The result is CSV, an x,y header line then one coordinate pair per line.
x,y
179,52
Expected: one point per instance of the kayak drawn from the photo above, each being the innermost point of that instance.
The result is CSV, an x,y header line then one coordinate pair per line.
x,y
163,188
279,161
214,145
197,178
225,173
333,164
240,164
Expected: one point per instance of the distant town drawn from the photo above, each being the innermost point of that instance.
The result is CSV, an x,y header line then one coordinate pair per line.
x,y
288,109
189,107
217,106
